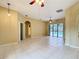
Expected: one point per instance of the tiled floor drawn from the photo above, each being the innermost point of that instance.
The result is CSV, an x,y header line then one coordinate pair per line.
x,y
39,48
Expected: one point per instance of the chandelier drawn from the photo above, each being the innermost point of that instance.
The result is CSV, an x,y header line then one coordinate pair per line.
x,y
40,2
50,20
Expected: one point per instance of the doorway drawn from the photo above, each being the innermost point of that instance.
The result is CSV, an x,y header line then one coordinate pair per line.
x,y
27,29
21,31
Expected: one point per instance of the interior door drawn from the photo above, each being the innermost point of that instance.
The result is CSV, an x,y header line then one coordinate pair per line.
x,y
61,30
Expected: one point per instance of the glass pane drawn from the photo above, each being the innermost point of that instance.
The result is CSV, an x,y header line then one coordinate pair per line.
x,y
55,30
60,30
51,29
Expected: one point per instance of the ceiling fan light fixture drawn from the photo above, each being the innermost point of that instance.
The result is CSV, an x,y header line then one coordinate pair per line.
x,y
37,1
40,2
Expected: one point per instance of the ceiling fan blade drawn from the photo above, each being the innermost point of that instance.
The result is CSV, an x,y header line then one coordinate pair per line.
x,y
31,3
42,5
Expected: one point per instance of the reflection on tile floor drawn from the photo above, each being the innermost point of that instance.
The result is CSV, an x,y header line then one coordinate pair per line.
x,y
54,41
39,48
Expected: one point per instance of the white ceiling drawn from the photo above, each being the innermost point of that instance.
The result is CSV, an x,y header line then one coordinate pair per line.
x,y
37,12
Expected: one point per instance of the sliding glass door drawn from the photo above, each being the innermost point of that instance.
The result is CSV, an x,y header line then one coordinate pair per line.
x,y
60,30
56,30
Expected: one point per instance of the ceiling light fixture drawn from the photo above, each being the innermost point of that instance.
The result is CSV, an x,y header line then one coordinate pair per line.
x,y
40,2
50,20
9,9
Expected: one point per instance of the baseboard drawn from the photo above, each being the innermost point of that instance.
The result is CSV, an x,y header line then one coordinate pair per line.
x,y
9,44
37,36
72,46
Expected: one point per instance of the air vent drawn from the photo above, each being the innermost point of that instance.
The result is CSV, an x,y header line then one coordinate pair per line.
x,y
60,10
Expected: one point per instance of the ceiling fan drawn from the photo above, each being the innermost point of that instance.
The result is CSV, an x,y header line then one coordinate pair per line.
x,y
40,2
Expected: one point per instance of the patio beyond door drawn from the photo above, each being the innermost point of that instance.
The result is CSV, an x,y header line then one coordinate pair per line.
x,y
56,30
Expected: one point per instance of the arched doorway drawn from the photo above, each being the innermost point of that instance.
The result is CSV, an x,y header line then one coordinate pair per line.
x,y
27,29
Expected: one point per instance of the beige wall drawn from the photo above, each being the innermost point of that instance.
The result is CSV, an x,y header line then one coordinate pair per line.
x,y
38,27
8,26
72,25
